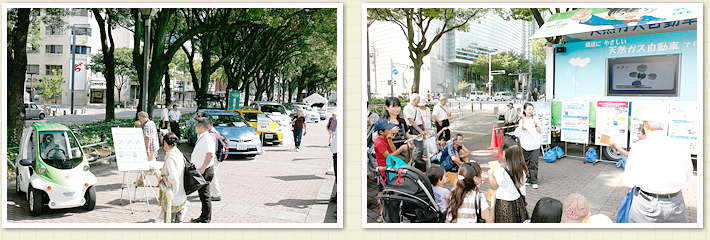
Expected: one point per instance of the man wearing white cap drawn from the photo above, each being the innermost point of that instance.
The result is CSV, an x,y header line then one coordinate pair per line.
x,y
658,167
511,117
416,125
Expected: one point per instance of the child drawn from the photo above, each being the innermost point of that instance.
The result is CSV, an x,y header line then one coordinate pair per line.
x,y
510,191
420,164
547,210
383,148
466,204
438,178
441,140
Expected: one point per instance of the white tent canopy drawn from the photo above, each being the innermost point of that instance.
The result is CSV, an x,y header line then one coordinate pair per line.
x,y
315,98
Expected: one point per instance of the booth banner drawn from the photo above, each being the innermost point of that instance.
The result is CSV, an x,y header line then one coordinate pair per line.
x,y
684,123
639,111
543,116
601,20
575,121
612,123
130,149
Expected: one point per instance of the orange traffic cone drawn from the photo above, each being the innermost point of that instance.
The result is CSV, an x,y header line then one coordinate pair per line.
x,y
494,140
500,142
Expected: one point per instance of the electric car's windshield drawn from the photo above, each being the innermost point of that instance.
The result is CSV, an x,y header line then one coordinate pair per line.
x,y
59,149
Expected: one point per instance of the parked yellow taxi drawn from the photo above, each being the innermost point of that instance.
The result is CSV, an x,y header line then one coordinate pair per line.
x,y
273,135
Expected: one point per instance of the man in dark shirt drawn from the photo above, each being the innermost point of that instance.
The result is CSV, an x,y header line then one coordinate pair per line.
x,y
534,95
454,154
299,126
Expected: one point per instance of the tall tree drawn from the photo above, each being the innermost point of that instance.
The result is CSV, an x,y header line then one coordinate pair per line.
x,y
18,22
50,87
107,20
415,23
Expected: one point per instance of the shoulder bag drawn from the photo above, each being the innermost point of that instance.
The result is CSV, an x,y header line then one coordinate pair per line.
x,y
192,177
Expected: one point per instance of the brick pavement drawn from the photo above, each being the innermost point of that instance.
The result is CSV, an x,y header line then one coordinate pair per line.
x,y
282,186
556,180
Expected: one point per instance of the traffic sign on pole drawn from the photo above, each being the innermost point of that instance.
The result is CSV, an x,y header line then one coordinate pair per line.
x,y
395,71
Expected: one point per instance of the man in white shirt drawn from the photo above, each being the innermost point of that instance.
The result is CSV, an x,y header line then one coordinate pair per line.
x,y
441,116
174,115
203,156
658,167
415,123
164,118
511,117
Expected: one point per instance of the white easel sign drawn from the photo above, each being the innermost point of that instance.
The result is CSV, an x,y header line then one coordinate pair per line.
x,y
131,154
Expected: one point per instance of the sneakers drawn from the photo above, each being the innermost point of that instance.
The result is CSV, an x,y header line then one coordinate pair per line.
x,y
535,186
527,184
216,199
380,219
297,149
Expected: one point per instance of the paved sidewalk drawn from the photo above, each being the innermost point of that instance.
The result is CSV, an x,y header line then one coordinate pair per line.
x,y
601,183
282,186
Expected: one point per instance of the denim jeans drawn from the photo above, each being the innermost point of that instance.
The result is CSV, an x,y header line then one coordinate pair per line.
x,y
297,137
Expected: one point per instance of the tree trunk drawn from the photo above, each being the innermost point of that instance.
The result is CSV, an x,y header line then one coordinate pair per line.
x,y
167,91
206,49
417,73
17,57
108,52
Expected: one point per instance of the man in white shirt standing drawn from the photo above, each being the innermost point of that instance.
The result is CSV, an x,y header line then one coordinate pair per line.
x,y
441,116
511,117
165,118
203,156
658,167
174,115
415,123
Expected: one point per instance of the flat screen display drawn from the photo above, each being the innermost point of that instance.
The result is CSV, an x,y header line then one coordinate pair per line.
x,y
643,76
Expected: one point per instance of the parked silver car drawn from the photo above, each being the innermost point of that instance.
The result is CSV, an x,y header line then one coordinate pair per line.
x,y
32,111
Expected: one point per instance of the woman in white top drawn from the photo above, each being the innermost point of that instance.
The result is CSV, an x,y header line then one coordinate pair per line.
x,y
466,204
171,182
529,134
510,190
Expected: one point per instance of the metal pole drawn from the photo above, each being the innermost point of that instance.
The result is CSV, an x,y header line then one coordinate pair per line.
x,y
146,59
368,66
391,77
73,64
489,74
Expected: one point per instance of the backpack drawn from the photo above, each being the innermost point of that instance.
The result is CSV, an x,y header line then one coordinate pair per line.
x,y
222,150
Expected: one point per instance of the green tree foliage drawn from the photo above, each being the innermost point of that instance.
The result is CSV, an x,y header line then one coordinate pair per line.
x,y
510,61
50,87
415,23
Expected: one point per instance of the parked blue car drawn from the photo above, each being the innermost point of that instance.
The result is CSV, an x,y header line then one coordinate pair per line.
x,y
242,138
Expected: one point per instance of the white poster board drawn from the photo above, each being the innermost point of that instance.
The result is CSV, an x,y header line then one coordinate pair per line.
x,y
575,121
542,115
262,124
684,123
612,122
131,154
638,113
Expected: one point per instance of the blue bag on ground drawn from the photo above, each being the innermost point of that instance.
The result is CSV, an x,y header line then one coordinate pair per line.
x,y
394,162
625,207
591,155
621,162
550,155
560,152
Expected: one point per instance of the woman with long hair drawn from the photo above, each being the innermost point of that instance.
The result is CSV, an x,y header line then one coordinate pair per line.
x,y
171,181
529,134
466,204
508,183
391,113
547,210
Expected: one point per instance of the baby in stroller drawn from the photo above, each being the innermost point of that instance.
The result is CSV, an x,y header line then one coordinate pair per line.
x,y
409,194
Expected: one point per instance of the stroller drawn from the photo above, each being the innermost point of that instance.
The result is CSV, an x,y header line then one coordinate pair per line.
x,y
408,194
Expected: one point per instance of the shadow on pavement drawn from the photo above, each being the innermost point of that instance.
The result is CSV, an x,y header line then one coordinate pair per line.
x,y
297,177
297,203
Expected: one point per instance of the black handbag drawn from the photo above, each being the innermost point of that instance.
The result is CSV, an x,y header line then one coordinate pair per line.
x,y
192,178
477,202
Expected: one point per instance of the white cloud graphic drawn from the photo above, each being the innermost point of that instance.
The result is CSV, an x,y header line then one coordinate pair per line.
x,y
581,62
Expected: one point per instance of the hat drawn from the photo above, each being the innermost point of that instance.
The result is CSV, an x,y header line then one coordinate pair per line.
x,y
383,124
575,209
510,104
421,103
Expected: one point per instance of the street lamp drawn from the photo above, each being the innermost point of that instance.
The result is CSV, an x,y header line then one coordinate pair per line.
x,y
490,77
73,60
147,14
